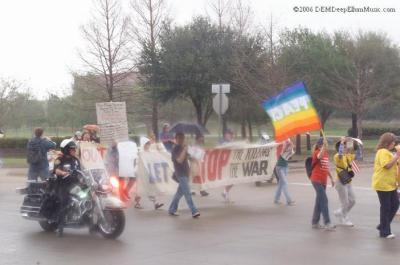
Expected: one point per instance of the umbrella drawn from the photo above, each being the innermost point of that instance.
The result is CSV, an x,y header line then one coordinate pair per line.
x,y
91,127
189,128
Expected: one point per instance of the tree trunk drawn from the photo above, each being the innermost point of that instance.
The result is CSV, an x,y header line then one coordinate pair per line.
x,y
154,118
298,144
243,128
354,125
224,123
250,130
359,126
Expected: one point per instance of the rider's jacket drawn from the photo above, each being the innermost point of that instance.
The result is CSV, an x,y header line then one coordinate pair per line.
x,y
67,162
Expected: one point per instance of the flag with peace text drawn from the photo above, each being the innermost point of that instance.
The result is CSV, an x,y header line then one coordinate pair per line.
x,y
292,112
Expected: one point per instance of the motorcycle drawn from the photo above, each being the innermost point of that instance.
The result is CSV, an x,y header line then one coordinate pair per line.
x,y
91,204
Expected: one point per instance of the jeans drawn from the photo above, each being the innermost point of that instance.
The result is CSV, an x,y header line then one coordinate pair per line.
x,y
183,190
321,204
40,170
389,206
346,197
282,184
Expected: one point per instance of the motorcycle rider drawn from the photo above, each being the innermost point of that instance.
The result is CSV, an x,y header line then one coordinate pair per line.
x,y
64,165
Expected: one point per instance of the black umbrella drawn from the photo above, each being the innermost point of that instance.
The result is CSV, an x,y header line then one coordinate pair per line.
x,y
188,128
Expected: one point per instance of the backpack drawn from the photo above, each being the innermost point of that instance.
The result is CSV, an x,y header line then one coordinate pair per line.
x,y
34,155
309,166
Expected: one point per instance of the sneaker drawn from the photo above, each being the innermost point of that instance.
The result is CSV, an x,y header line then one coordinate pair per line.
x,y
291,203
391,236
60,231
174,214
158,205
330,227
347,222
338,213
204,193
316,226
138,206
277,202
196,215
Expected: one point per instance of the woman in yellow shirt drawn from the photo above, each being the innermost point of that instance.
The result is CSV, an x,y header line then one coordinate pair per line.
x,y
343,159
384,182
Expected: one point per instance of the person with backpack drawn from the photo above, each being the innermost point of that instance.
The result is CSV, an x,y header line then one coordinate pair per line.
x,y
37,149
385,182
319,177
343,161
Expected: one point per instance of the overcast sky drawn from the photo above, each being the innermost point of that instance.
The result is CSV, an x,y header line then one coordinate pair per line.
x,y
40,38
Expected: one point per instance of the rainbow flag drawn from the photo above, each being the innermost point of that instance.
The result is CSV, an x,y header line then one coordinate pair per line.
x,y
292,112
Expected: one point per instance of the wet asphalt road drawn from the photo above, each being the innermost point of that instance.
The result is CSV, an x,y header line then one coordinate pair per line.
x,y
252,230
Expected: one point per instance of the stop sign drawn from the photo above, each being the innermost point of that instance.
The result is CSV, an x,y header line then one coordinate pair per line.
x,y
220,103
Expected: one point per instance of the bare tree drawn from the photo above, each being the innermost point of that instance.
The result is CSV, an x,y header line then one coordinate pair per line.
x,y
149,18
241,17
108,55
221,8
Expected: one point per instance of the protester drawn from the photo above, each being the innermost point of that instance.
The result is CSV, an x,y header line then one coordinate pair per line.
x,y
181,165
38,147
127,156
145,144
156,146
197,154
77,136
282,171
227,138
343,160
86,137
384,182
166,137
319,176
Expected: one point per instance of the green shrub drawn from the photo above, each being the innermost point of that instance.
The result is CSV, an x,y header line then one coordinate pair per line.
x,y
374,132
20,143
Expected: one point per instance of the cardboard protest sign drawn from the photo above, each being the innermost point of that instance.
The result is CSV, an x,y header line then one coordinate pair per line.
x,y
113,122
128,154
90,156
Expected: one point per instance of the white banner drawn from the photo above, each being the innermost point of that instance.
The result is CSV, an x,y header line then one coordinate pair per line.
x,y
233,164
154,172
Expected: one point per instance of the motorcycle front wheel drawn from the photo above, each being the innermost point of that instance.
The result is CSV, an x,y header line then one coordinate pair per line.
x,y
113,225
47,226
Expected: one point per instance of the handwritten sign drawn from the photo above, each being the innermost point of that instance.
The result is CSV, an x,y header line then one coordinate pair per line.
x,y
113,122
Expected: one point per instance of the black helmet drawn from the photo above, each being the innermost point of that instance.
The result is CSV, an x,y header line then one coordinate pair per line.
x,y
67,145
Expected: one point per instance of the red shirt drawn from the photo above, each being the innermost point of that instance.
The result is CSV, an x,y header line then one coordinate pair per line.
x,y
321,169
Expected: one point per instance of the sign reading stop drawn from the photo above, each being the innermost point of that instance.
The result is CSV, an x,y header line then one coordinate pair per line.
x,y
220,101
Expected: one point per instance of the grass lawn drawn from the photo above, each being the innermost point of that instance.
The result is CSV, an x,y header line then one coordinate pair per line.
x,y
14,162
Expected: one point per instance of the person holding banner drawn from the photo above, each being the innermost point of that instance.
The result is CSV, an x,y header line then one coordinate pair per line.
x,y
282,171
228,138
319,177
145,144
181,165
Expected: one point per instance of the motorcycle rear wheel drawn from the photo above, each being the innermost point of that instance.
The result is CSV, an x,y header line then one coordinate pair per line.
x,y
47,226
114,225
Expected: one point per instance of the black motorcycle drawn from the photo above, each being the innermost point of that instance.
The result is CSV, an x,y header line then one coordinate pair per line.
x,y
91,204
